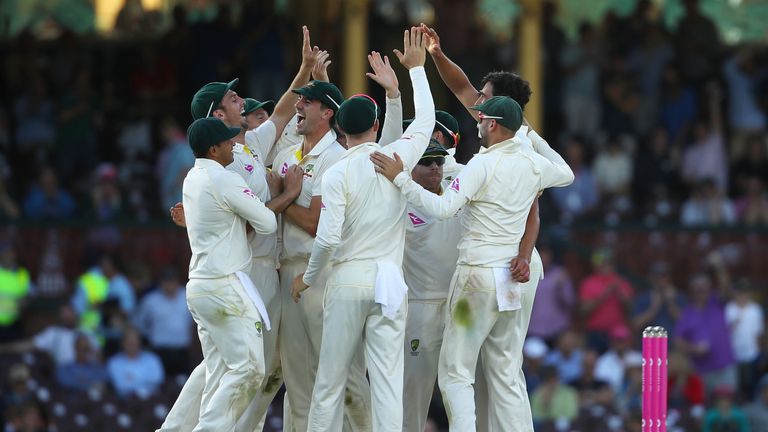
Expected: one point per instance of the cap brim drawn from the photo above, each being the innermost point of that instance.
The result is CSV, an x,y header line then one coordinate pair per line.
x,y
269,107
476,107
233,132
232,84
434,153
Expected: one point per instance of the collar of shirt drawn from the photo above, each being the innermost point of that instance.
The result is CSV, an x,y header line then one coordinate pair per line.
x,y
507,146
207,164
327,139
364,147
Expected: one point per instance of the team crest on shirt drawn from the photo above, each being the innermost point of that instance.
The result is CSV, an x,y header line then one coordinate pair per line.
x,y
284,169
414,347
416,221
258,327
449,178
454,184
249,193
248,167
308,170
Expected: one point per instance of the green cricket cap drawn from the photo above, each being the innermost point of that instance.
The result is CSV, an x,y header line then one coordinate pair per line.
x,y
503,109
357,114
205,101
250,105
207,132
323,91
434,149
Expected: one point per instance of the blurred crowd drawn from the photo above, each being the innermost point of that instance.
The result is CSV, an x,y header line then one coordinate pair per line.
x,y
660,126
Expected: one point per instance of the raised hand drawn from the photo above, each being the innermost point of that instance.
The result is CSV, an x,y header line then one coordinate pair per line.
x,y
383,74
433,40
414,46
308,52
320,71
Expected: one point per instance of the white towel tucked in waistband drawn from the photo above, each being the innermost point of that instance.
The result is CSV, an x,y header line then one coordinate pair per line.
x,y
255,297
390,288
507,290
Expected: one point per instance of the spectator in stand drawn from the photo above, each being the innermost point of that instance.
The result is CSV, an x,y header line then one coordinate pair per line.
x,y
685,387
661,304
754,163
174,162
35,123
566,357
656,165
646,64
630,393
27,418
588,385
611,366
745,319
59,339
86,372
553,400
534,352
135,371
164,319
112,284
613,170
605,300
105,196
678,105
707,207
702,331
757,411
742,73
580,62
77,118
725,415
705,158
46,200
698,44
15,288
752,207
555,300
20,390
580,197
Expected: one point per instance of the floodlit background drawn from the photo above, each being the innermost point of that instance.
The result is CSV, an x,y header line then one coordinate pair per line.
x,y
659,107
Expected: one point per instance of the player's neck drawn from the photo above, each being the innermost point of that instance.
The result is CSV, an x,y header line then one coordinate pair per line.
x,y
240,138
311,139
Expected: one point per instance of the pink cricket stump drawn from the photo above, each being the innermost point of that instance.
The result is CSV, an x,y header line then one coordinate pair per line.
x,y
654,382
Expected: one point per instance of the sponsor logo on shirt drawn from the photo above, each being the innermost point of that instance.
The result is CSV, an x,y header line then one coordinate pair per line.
x,y
455,184
322,205
249,168
284,169
414,347
415,220
249,193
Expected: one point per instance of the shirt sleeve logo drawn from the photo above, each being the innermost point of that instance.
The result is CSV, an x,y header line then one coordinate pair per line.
x,y
455,184
249,168
249,193
415,220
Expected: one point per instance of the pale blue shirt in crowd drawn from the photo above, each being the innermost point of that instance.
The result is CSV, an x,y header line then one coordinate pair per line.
x,y
744,111
165,321
120,289
140,375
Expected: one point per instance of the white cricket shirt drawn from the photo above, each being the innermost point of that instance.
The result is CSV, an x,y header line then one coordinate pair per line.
x,y
498,187
363,214
217,203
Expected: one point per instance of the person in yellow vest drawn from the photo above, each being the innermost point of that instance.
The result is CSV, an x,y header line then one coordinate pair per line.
x,y
14,289
99,284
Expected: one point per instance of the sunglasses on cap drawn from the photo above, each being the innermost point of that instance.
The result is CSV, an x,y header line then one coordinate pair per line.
x,y
429,160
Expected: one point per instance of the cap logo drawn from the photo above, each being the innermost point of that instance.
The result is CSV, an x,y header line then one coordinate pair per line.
x,y
415,220
455,184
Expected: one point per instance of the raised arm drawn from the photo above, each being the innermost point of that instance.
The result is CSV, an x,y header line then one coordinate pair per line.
x,y
556,172
385,76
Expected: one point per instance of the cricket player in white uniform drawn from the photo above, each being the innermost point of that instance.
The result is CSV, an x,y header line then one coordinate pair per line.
x,y
446,133
488,311
219,100
428,264
362,233
229,312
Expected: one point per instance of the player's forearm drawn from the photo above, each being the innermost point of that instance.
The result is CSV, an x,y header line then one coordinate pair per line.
x,y
279,203
393,121
532,226
303,217
455,79
321,256
284,109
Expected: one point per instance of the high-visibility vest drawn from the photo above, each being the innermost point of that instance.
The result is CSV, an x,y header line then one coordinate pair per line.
x,y
14,286
96,287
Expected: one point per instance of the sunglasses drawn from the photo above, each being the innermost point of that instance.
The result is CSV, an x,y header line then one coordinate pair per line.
x,y
428,161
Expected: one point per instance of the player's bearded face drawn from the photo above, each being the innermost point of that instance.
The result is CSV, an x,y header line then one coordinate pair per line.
x,y
482,133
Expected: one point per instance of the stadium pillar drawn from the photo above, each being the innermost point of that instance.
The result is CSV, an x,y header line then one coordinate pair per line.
x,y
355,46
530,59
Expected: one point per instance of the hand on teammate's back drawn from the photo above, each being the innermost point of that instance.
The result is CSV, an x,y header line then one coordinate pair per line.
x,y
414,47
383,74
387,166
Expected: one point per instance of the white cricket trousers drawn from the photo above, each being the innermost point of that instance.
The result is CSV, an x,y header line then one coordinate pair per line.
x,y
184,414
301,333
351,319
474,325
230,331
423,339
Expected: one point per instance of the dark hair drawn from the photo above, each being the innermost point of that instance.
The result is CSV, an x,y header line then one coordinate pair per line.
x,y
509,84
199,154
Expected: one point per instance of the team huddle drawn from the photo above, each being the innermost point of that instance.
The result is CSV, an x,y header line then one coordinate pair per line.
x,y
358,271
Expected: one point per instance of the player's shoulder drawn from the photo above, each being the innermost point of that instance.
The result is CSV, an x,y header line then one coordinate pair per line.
x,y
285,154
